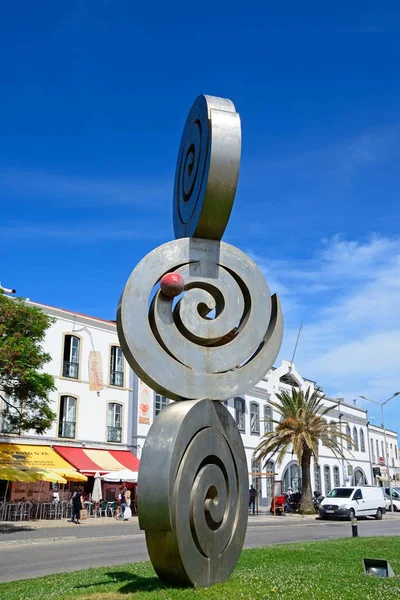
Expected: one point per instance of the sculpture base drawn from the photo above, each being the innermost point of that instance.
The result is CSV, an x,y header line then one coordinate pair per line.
x,y
193,493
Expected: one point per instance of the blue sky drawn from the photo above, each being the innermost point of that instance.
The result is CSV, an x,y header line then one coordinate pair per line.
x,y
93,99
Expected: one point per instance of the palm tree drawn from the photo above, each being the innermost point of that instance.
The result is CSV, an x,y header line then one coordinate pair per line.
x,y
301,427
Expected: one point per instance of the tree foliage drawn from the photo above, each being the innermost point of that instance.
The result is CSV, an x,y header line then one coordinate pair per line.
x,y
24,387
302,426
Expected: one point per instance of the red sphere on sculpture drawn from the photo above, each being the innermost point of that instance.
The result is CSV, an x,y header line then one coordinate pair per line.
x,y
172,285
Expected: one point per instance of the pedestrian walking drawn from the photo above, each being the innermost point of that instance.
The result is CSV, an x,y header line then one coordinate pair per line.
x,y
123,502
77,505
252,498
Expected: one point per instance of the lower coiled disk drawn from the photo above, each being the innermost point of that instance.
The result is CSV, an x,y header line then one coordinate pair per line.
x,y
195,510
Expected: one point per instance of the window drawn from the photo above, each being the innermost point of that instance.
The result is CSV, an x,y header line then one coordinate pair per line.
x,y
317,478
372,451
116,367
114,423
9,415
336,478
333,432
255,468
159,404
239,413
355,439
377,451
289,380
270,468
348,433
325,430
383,452
268,425
359,477
71,357
357,495
291,478
67,419
327,479
391,454
254,418
362,440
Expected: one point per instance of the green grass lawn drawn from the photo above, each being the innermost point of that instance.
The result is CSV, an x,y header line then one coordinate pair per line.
x,y
329,570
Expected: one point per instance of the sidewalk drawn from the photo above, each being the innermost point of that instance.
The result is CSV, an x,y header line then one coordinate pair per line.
x,y
62,523
263,516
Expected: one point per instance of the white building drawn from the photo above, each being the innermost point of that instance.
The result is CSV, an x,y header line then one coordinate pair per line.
x,y
250,411
93,399
102,406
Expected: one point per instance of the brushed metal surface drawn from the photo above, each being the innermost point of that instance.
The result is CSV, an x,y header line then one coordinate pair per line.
x,y
168,344
207,169
193,493
213,342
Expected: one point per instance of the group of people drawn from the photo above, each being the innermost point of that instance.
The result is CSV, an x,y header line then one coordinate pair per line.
x,y
124,501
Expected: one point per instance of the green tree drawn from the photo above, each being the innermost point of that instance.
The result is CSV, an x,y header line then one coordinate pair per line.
x,y
301,426
24,387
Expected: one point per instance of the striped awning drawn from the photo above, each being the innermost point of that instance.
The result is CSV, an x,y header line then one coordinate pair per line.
x,y
40,461
91,460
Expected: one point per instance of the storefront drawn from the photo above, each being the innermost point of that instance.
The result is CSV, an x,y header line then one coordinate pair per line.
x,y
43,462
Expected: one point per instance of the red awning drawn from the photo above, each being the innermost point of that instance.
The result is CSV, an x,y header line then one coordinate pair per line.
x,y
92,460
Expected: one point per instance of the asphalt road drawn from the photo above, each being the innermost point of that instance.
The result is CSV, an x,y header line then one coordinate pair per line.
x,y
24,560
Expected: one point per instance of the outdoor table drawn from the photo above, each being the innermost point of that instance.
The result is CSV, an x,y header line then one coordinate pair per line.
x,y
89,506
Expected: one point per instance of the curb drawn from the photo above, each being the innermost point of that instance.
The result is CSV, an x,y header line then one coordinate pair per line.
x,y
70,538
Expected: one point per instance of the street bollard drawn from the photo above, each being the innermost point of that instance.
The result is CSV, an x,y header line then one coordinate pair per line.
x,y
354,527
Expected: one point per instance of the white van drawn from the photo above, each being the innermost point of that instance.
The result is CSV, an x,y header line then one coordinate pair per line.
x,y
349,502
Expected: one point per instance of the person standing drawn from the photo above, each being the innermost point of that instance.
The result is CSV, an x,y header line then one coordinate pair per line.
x,y
77,506
123,502
252,498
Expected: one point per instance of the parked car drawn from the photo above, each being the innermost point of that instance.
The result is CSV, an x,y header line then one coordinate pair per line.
x,y
350,502
395,498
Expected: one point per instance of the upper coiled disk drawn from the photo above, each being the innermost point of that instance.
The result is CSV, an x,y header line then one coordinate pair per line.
x,y
207,169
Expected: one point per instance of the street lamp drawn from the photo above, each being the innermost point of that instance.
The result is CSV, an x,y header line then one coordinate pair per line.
x,y
382,405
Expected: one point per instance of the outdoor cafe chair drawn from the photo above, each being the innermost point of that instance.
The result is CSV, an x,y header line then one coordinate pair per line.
x,y
112,508
54,511
45,508
64,509
8,511
15,511
25,511
102,509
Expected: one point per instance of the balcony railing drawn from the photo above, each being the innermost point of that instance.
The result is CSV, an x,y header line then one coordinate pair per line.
x,y
71,369
240,421
66,429
114,434
117,378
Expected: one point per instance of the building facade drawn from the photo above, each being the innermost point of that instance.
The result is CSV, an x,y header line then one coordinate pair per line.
x,y
102,405
93,400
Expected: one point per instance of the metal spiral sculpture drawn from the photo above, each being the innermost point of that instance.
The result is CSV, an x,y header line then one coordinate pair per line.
x,y
210,332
